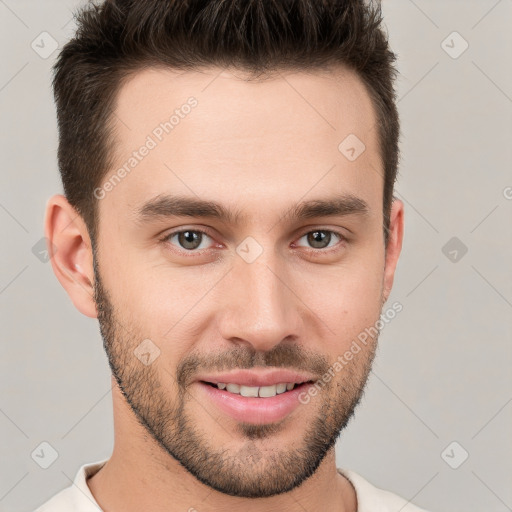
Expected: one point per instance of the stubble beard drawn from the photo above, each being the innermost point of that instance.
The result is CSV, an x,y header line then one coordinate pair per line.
x,y
252,470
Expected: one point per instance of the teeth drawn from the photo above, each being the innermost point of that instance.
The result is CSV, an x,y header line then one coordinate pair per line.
x,y
280,388
249,391
267,391
255,391
233,388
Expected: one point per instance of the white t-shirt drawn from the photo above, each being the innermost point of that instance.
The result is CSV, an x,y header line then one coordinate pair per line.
x,y
78,497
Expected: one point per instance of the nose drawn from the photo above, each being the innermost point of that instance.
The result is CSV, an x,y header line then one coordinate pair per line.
x,y
260,308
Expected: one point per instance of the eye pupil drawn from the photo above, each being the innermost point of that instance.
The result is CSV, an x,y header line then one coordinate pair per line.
x,y
317,239
189,239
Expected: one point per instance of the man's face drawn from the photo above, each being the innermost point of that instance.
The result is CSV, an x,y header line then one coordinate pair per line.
x,y
184,302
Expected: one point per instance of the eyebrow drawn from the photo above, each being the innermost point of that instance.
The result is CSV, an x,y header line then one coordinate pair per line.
x,y
164,206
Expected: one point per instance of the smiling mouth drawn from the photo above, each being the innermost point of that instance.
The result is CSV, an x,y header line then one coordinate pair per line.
x,y
257,391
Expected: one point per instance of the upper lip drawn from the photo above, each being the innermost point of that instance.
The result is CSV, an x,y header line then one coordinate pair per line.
x,y
258,378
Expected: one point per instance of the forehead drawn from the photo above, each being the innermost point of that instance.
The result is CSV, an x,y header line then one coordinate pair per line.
x,y
212,133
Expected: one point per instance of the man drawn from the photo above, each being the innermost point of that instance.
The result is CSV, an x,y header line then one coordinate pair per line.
x,y
228,217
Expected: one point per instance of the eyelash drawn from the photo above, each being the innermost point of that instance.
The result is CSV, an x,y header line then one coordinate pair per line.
x,y
195,252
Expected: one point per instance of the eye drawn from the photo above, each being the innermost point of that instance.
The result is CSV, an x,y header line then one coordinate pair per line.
x,y
188,239
195,240
321,238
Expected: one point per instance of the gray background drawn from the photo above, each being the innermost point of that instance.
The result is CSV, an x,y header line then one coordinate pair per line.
x,y
443,371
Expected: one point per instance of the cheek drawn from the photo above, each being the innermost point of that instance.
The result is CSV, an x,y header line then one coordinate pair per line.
x,y
348,300
166,304
145,304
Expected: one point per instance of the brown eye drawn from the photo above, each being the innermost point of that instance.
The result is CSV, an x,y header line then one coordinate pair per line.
x,y
188,239
321,238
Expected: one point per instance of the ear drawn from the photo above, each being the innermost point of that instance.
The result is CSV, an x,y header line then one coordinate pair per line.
x,y
70,251
396,233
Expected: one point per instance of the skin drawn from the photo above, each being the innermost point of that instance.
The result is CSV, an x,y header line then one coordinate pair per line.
x,y
258,148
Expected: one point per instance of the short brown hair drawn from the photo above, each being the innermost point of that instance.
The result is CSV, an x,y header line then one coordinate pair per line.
x,y
119,37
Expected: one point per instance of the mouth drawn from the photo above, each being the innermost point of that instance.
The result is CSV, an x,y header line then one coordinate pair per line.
x,y
256,391
258,405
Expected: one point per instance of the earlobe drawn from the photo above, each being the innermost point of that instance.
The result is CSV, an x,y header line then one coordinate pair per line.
x,y
70,253
394,247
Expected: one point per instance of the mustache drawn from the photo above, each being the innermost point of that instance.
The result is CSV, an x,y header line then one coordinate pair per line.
x,y
292,357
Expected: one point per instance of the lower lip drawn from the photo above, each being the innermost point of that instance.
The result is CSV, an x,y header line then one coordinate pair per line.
x,y
254,410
